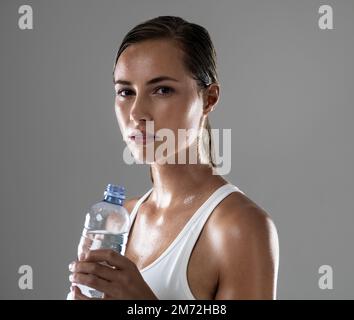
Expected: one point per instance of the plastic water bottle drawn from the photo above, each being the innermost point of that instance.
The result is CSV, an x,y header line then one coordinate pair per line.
x,y
106,227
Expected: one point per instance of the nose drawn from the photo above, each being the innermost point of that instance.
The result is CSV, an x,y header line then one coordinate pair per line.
x,y
139,112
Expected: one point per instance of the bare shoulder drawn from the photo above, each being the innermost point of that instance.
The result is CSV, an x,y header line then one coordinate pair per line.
x,y
239,213
246,246
130,203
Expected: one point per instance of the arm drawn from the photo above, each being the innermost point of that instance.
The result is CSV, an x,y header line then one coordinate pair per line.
x,y
248,255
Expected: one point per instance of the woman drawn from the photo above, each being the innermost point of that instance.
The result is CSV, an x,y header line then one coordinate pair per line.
x,y
193,234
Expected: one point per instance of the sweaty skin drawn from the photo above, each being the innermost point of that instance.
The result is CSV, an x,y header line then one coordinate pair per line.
x,y
238,246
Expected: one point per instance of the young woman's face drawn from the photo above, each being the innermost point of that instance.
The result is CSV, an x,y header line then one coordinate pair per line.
x,y
143,93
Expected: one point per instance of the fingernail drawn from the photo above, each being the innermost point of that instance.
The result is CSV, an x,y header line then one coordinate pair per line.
x,y
71,266
71,278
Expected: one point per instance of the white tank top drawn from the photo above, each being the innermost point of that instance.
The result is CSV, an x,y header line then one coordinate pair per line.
x,y
167,275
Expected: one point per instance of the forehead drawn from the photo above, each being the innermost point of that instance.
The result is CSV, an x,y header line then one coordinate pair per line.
x,y
144,60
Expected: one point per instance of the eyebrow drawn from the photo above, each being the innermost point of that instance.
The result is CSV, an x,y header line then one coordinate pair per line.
x,y
152,81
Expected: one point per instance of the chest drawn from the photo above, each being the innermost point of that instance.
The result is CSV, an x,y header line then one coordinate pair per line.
x,y
150,237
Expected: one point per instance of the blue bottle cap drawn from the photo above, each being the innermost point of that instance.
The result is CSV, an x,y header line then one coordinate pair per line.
x,y
114,194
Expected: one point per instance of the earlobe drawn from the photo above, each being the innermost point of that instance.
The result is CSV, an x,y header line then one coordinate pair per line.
x,y
208,108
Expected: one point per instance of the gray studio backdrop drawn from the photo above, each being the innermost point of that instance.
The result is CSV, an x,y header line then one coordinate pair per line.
x,y
286,93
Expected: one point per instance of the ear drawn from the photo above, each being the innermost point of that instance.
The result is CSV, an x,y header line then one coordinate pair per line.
x,y
210,98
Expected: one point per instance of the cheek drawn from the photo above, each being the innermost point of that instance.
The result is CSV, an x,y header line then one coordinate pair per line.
x,y
189,117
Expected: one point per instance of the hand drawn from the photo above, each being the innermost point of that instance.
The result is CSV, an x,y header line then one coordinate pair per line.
x,y
120,279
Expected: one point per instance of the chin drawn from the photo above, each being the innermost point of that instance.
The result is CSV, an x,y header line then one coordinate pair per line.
x,y
144,154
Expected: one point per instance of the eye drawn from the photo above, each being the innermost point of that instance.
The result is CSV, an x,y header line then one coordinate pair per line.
x,y
124,92
164,90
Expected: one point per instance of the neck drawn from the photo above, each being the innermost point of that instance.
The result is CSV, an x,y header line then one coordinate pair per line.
x,y
180,182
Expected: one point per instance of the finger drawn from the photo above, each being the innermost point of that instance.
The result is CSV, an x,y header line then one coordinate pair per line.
x,y
113,258
90,281
97,269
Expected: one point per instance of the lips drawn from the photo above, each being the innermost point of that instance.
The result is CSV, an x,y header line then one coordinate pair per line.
x,y
142,138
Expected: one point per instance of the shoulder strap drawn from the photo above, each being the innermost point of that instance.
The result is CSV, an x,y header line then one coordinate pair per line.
x,y
203,214
137,205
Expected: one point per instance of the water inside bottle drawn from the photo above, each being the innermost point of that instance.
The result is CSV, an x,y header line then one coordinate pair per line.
x,y
101,239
